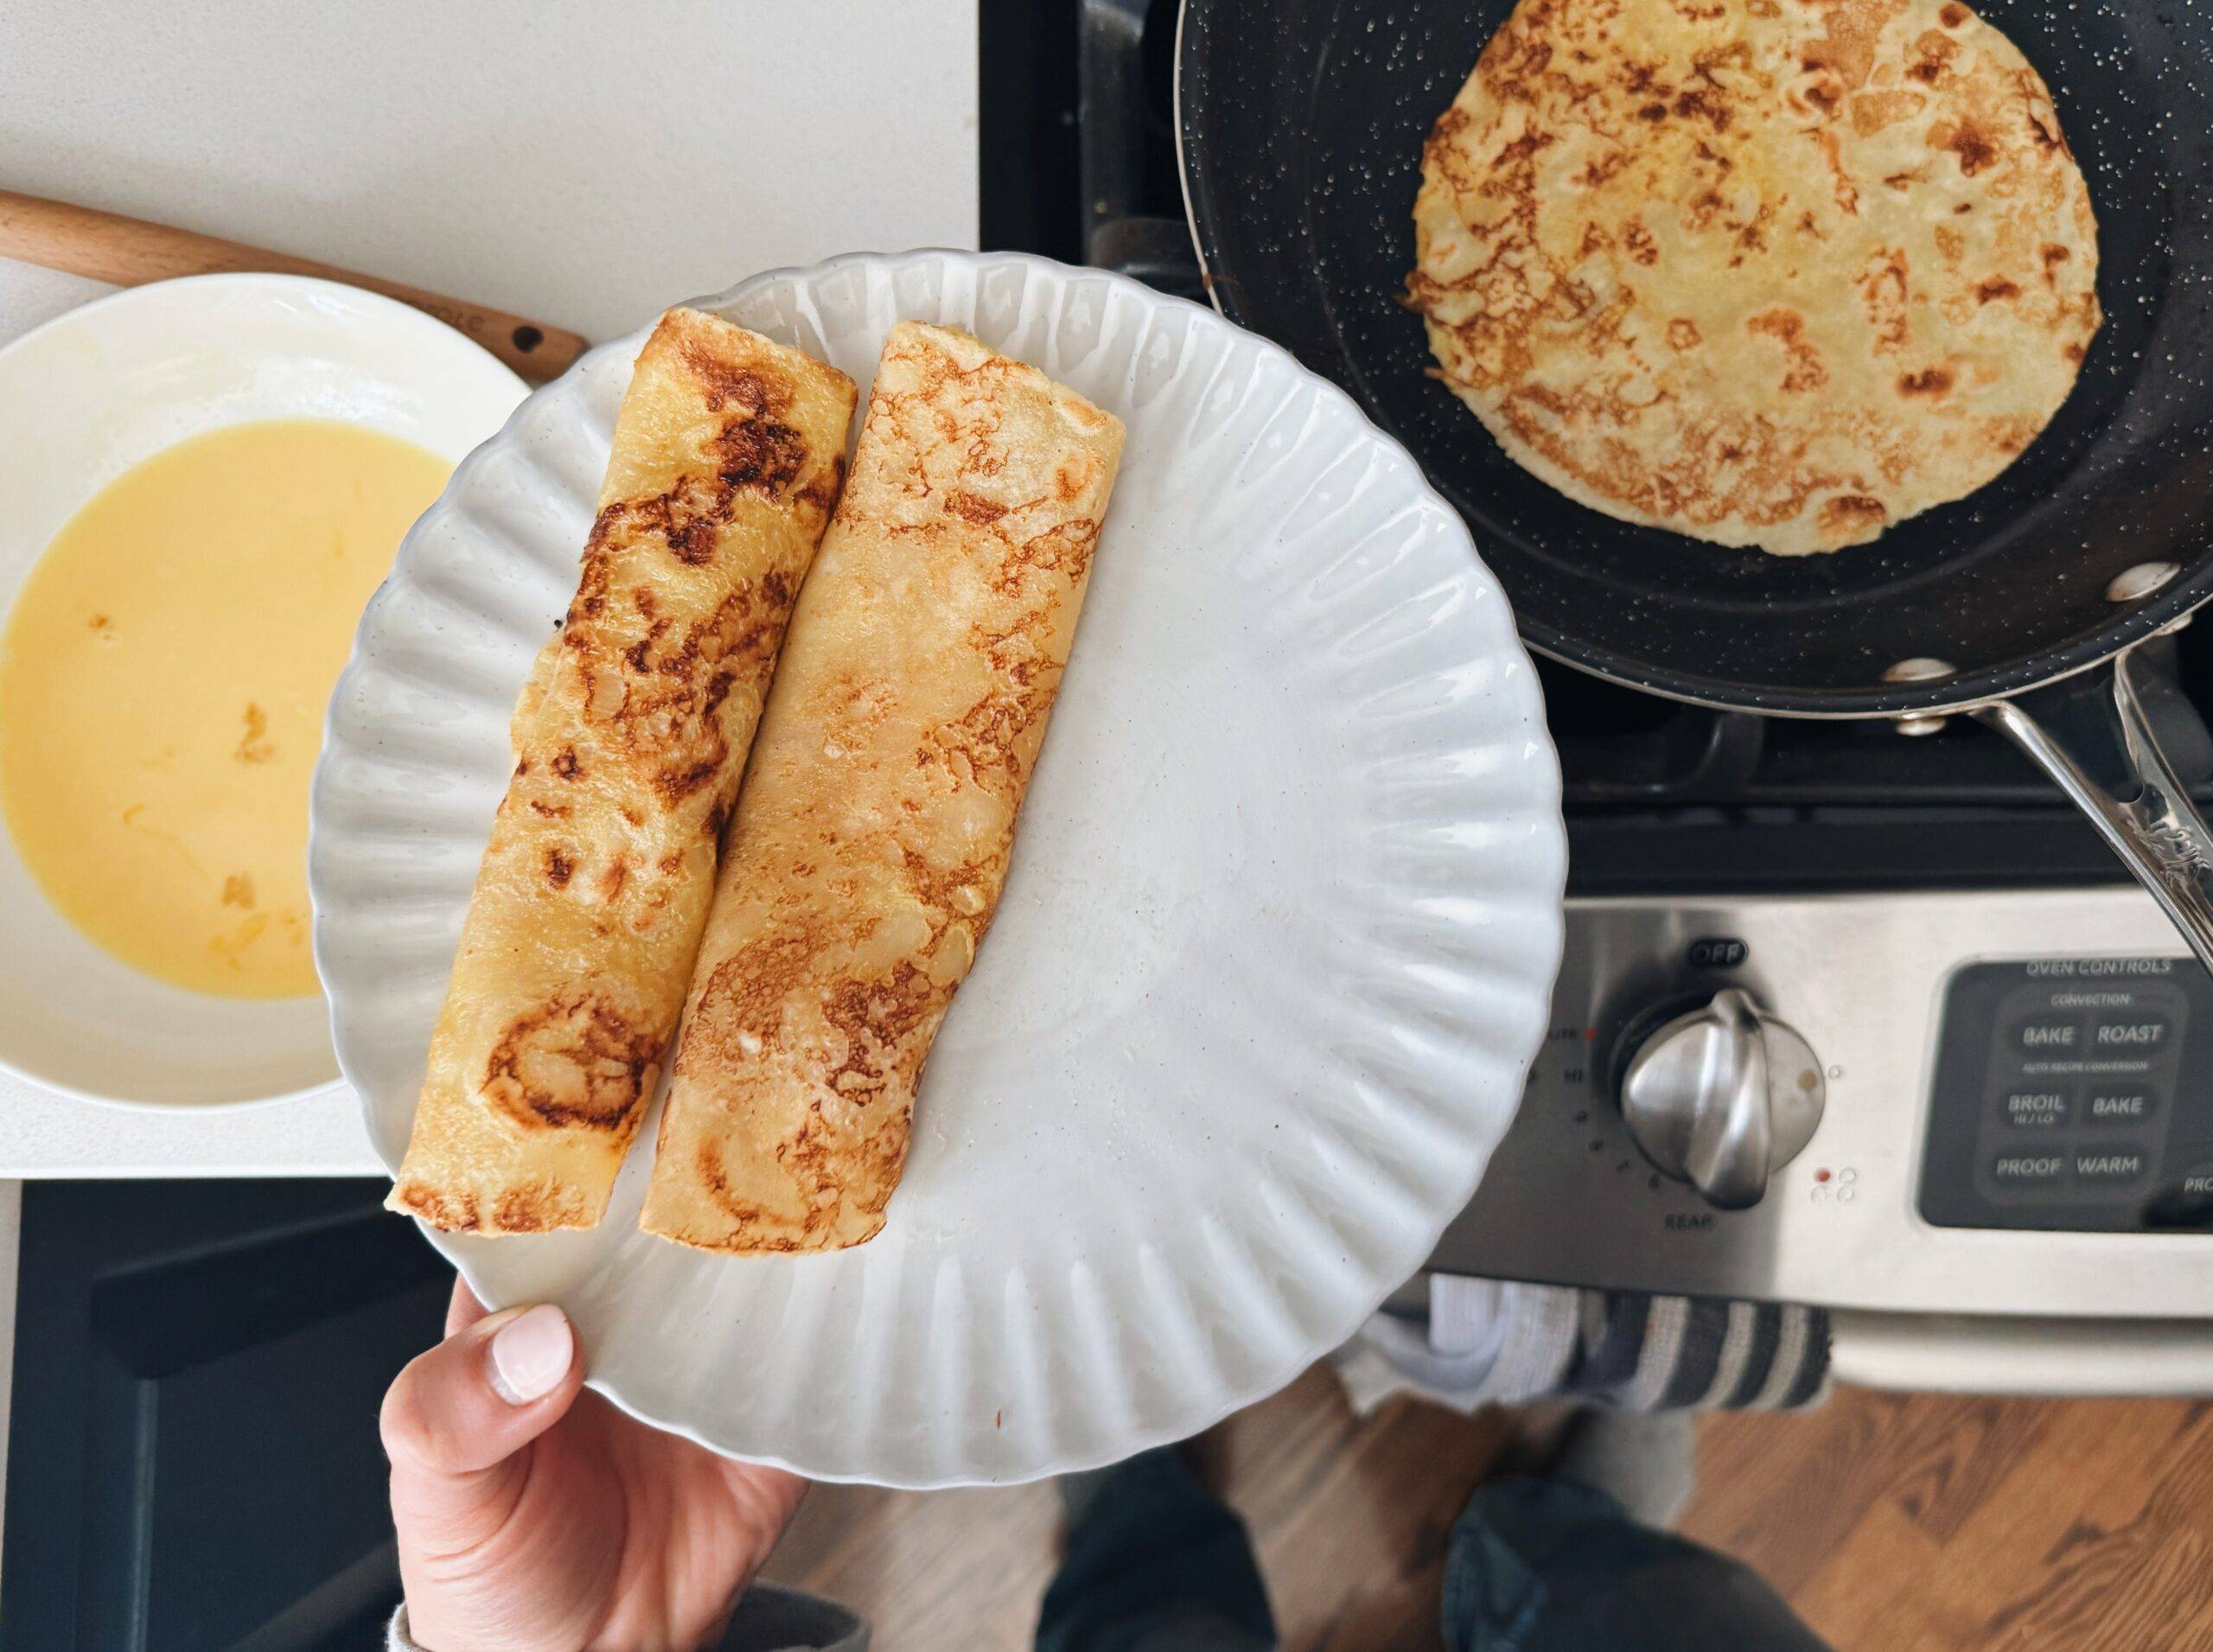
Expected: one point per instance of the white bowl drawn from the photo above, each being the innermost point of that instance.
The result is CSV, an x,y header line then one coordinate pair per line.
x,y
82,399
1276,949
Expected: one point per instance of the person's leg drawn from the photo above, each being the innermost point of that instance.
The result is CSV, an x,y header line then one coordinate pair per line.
x,y
772,1619
1556,1564
1155,1564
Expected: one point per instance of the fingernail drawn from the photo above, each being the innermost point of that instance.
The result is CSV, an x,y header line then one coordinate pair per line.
x,y
530,1354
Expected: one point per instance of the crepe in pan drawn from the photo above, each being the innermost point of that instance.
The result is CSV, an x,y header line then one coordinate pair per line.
x,y
1767,272
873,835
628,741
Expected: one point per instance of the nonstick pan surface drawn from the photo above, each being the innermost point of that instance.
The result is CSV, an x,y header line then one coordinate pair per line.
x,y
1301,124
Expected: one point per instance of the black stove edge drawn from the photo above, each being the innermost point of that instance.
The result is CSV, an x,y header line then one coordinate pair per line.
x,y
1711,852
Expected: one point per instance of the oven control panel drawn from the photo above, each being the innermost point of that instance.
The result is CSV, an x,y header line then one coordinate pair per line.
x,y
1988,1103
2065,1097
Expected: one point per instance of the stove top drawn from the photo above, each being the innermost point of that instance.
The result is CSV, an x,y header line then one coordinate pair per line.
x,y
1846,1016
1659,797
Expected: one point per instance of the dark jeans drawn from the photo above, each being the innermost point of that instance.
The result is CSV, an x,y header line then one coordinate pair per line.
x,y
1535,1566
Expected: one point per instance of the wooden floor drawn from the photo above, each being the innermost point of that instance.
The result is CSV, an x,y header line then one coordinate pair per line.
x,y
2003,1526
1893,1523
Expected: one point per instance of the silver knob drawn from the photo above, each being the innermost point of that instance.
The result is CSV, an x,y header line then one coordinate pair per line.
x,y
1723,1098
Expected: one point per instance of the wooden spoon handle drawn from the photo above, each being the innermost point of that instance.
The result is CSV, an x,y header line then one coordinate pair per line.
x,y
129,251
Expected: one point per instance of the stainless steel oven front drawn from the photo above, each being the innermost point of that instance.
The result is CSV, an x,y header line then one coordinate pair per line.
x,y
2007,1181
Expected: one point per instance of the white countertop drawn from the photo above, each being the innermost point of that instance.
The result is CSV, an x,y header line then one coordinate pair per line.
x,y
562,161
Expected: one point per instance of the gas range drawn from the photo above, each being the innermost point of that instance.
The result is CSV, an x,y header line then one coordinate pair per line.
x,y
1937,1062
2008,1057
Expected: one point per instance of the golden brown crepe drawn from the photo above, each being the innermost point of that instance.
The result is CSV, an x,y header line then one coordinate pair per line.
x,y
873,833
628,740
1769,273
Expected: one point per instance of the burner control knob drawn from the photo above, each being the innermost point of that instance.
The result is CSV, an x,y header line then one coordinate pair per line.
x,y
1723,1098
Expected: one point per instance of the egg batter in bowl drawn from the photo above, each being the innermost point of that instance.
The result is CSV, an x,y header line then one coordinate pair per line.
x,y
163,677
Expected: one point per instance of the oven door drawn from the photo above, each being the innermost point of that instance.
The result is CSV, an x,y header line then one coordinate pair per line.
x,y
193,1456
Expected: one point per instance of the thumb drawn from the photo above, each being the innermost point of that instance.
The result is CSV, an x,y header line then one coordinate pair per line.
x,y
457,1420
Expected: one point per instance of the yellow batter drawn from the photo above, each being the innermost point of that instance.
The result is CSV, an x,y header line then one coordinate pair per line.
x,y
163,677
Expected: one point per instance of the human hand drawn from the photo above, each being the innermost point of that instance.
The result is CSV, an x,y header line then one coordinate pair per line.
x,y
533,1515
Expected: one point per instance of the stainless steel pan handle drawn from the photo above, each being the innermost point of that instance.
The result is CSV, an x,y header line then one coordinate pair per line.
x,y
2093,733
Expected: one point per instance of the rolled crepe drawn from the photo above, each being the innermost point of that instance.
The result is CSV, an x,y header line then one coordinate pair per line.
x,y
628,743
873,834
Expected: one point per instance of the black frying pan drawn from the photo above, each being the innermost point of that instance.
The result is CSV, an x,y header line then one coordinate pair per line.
x,y
1301,122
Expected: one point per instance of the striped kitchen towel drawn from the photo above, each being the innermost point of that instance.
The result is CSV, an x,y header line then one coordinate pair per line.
x,y
1501,1342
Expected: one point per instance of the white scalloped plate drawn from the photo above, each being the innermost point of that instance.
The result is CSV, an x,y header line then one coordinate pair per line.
x,y
1274,955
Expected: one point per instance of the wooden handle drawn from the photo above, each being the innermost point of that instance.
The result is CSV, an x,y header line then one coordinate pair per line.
x,y
129,251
